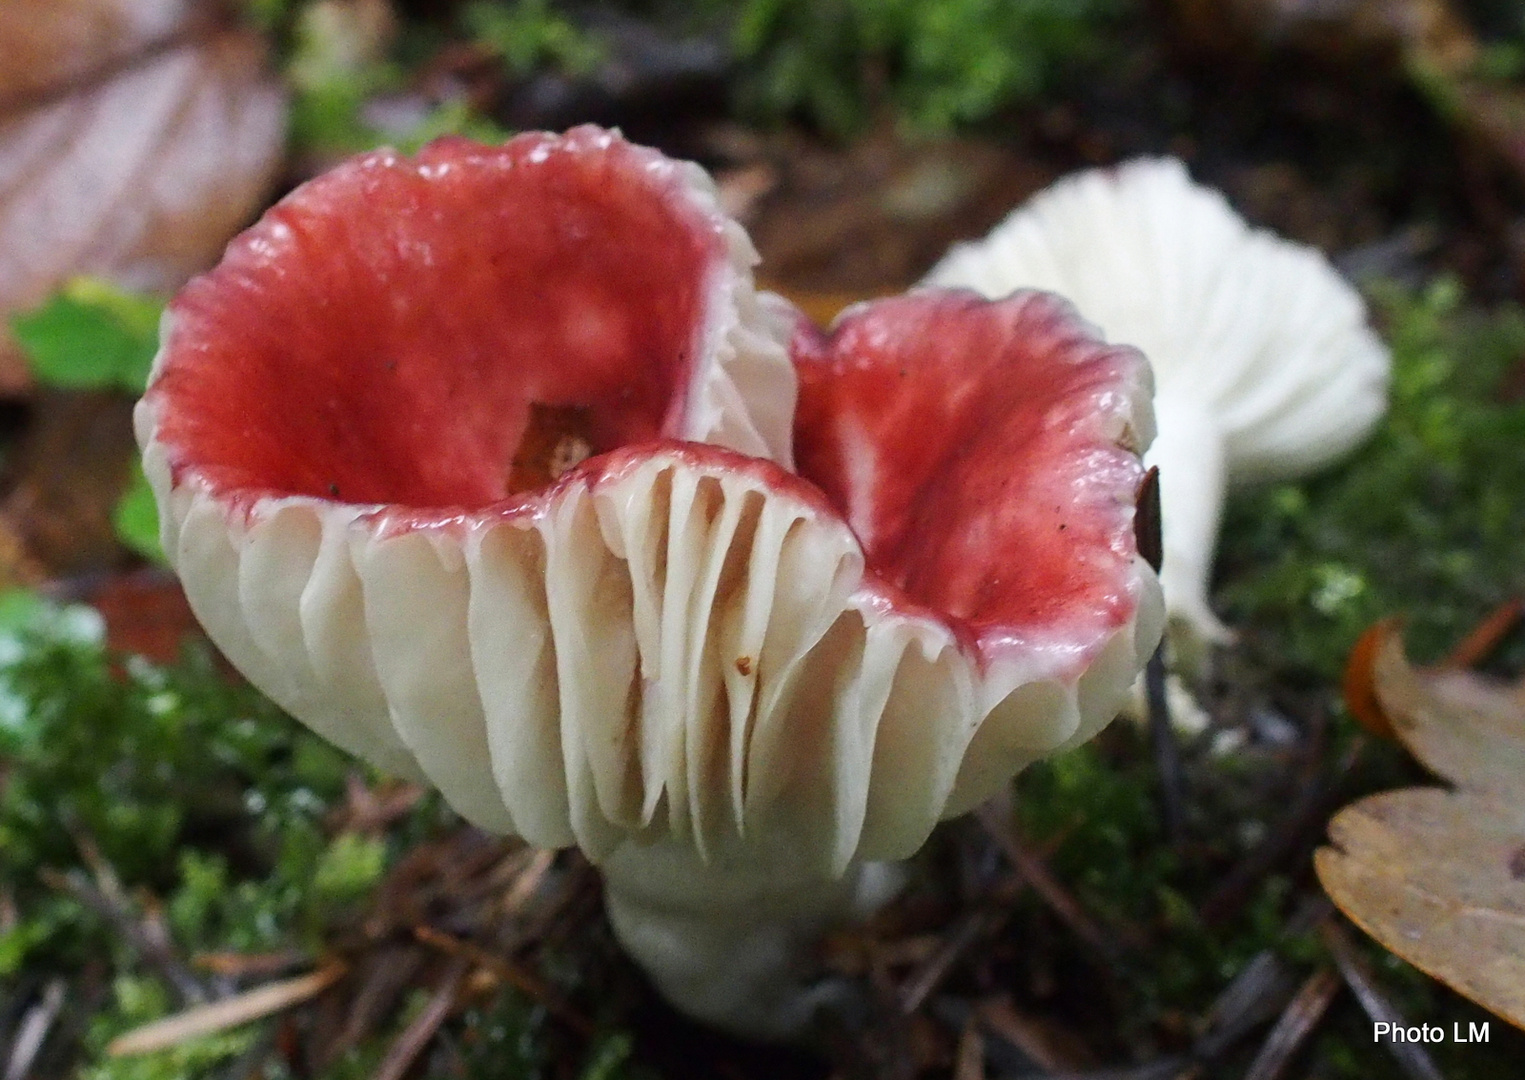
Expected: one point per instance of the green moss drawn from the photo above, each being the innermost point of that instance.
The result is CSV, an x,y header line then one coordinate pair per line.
x,y
333,82
935,66
117,762
1423,521
138,1000
526,34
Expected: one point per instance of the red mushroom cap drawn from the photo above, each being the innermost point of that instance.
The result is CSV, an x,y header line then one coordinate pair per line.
x,y
478,463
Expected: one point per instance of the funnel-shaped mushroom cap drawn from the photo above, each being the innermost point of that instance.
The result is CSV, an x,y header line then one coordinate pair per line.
x,y
1258,345
477,463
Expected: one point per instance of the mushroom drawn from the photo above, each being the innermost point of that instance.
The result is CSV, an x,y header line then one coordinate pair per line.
x,y
481,464
1264,365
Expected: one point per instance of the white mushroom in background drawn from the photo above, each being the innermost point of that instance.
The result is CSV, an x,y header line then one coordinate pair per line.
x,y
479,464
1264,365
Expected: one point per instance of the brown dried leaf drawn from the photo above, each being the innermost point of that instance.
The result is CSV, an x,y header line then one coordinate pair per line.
x,y
1438,876
134,141
51,43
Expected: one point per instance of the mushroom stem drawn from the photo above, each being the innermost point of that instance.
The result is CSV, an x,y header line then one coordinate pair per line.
x,y
1189,451
734,942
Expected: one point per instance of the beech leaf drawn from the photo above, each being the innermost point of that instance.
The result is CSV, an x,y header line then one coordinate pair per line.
x,y
1438,876
136,137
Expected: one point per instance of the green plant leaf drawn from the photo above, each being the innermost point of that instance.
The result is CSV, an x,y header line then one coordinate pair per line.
x,y
136,519
91,336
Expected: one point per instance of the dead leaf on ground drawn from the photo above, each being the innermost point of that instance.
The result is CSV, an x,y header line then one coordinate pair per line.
x,y
50,43
136,136
1438,876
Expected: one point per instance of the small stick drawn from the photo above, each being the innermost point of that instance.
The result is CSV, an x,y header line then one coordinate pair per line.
x,y
153,947
971,928
528,881
510,973
1037,875
1412,1057
1303,828
221,1015
237,965
1299,1020
33,1030
425,1025
1148,536
1169,1068
1048,1046
1259,992
383,979
970,1062
1167,755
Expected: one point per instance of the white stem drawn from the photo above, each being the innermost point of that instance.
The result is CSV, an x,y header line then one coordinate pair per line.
x,y
1189,451
732,941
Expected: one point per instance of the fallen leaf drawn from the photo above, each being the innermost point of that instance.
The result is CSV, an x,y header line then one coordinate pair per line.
x,y
1359,684
135,139
50,43
1436,875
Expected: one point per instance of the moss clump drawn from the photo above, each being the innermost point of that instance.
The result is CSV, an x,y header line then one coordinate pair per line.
x,y
1424,521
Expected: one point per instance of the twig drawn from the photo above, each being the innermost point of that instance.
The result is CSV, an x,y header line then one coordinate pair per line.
x,y
970,1061
1167,755
33,1030
508,972
1161,1069
221,1015
1044,1044
1302,827
1412,1057
387,973
1295,1025
1033,870
1250,999
971,928
1148,533
421,1031
153,947
237,965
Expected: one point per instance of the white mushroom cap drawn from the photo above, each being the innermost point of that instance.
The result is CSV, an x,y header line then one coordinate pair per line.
x,y
1264,364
